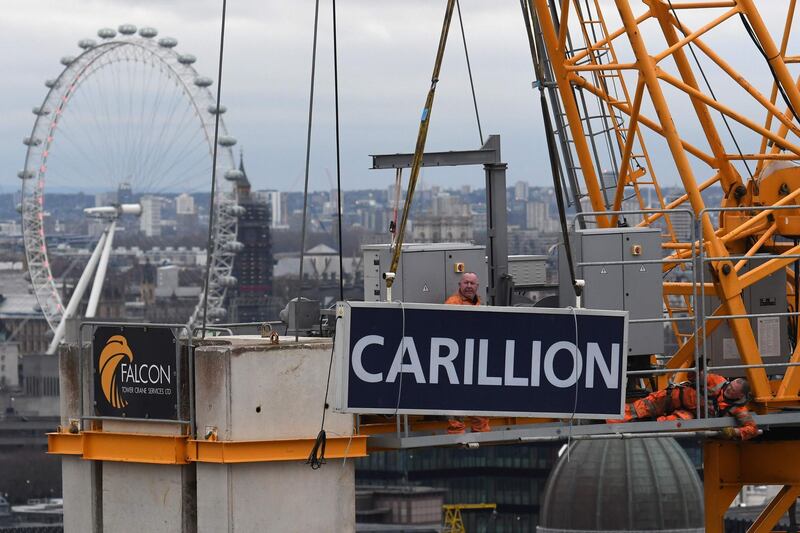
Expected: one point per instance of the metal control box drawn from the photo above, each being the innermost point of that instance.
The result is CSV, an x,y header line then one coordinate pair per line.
x,y
528,270
427,272
766,297
615,266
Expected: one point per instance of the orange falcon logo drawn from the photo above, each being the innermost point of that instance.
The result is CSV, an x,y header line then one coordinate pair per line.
x,y
115,351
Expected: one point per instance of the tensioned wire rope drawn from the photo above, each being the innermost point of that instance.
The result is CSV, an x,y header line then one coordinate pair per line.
x,y
308,164
711,91
209,250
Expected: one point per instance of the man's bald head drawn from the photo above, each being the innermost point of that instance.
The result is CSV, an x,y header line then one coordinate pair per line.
x,y
468,285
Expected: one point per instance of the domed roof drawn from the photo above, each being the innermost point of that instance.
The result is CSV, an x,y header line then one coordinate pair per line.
x,y
623,485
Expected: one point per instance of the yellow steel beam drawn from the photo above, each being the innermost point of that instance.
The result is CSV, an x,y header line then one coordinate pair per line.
x,y
718,490
108,446
773,512
468,506
771,51
691,36
644,120
729,176
787,28
738,117
769,104
181,449
622,178
756,246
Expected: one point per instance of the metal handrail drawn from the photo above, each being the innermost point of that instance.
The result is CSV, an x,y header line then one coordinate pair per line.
x,y
707,259
693,232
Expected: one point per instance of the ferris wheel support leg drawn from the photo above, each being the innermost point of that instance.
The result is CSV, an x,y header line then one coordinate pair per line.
x,y
77,295
100,275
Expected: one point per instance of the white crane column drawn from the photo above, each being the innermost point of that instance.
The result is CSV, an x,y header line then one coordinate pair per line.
x,y
100,275
77,295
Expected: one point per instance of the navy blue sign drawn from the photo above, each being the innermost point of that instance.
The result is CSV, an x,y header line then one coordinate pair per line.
x,y
135,372
437,359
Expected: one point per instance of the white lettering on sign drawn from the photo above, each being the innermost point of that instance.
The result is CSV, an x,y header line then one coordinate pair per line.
x,y
549,360
407,346
358,364
508,373
437,343
446,355
144,373
483,365
595,357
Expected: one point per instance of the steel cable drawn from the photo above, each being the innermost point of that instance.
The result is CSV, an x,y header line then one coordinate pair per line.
x,y
211,240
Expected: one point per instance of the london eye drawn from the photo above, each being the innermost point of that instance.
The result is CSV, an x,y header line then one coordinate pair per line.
x,y
128,111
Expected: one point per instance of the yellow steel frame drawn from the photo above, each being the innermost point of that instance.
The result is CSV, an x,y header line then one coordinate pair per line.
x,y
453,522
730,465
654,80
181,449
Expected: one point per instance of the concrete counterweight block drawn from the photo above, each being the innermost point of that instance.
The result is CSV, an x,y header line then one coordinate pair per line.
x,y
248,389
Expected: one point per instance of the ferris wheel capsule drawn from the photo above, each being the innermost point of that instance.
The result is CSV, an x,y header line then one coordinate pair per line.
x,y
186,59
106,33
87,43
217,312
67,60
233,246
236,210
167,42
148,32
226,140
234,174
214,110
41,111
203,81
25,174
228,281
51,84
127,29
31,141
19,210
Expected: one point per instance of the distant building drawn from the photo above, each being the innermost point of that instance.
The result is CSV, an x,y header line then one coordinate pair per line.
x,y
185,214
10,228
278,211
167,279
105,198
125,193
537,217
521,191
184,205
21,318
150,219
9,365
249,300
40,387
381,509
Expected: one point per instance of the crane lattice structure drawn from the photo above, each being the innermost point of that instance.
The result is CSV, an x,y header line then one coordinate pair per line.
x,y
623,73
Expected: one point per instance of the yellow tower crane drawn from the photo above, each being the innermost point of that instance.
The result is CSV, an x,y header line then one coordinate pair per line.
x,y
647,71
453,523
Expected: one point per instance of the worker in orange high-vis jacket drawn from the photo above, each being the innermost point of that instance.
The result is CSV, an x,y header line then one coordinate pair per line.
x,y
679,401
467,294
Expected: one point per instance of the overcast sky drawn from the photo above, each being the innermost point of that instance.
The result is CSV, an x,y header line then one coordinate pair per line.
x,y
386,51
